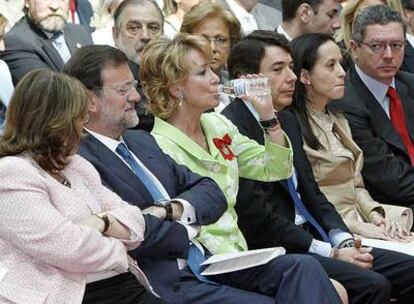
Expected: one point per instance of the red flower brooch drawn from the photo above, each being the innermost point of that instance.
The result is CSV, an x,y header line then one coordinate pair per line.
x,y
223,144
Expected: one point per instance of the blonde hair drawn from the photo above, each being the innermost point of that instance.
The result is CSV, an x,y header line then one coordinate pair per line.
x,y
43,118
202,11
349,12
165,63
3,21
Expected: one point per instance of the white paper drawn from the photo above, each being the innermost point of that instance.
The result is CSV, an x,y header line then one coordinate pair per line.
x,y
407,248
224,263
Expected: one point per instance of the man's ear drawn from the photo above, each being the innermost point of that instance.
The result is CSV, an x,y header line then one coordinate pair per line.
x,y
304,12
304,77
115,34
93,100
353,47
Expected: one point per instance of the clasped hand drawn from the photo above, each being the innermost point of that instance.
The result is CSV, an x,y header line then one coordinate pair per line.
x,y
389,230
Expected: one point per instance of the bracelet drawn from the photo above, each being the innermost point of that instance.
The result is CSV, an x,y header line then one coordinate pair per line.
x,y
168,209
272,129
268,124
103,216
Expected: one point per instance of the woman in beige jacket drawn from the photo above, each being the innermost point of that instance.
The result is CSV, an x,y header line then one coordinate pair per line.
x,y
336,159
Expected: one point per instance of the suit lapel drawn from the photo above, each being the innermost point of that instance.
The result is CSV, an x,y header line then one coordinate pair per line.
x,y
47,46
348,142
384,125
71,42
118,167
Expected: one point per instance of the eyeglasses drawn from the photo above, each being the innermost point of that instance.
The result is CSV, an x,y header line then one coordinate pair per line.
x,y
218,41
124,90
379,47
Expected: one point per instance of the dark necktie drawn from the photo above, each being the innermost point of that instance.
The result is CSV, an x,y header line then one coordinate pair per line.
x,y
195,256
398,121
304,211
140,172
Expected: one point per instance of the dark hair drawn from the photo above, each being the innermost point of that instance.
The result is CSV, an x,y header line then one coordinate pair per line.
x,y
87,63
44,118
408,4
289,7
125,4
377,14
305,54
246,55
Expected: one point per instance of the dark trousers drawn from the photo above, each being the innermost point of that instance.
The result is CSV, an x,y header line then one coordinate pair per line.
x,y
287,279
392,275
121,289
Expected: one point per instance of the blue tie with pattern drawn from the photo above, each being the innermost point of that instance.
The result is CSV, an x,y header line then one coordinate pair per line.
x,y
304,211
140,172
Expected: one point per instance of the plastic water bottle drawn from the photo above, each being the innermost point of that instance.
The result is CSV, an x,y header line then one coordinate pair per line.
x,y
244,86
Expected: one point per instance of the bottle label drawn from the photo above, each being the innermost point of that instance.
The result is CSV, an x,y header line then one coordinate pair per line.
x,y
239,87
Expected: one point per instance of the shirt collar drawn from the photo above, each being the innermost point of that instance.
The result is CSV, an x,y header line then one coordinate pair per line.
x,y
410,39
378,89
110,143
282,31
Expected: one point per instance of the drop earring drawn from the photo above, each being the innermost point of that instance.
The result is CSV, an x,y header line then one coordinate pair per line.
x,y
180,98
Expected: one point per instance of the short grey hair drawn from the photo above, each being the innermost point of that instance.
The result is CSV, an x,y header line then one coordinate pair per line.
x,y
377,14
127,3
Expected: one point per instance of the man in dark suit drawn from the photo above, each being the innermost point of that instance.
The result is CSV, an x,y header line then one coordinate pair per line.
x,y
42,39
276,218
379,105
132,164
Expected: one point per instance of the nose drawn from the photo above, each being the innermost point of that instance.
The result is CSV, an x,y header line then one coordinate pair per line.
x,y
145,34
341,71
336,24
54,5
291,77
134,95
214,78
387,52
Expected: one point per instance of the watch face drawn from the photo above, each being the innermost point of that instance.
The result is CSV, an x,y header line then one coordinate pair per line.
x,y
349,244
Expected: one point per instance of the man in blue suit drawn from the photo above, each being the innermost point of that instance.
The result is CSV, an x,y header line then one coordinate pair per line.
x,y
131,164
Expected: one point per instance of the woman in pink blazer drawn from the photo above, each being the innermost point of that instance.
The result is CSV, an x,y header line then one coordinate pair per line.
x,y
61,230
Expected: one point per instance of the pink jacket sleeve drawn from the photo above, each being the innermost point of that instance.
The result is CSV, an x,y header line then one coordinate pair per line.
x,y
30,221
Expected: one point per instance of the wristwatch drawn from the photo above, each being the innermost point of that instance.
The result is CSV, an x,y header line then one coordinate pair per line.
x,y
348,243
168,209
104,217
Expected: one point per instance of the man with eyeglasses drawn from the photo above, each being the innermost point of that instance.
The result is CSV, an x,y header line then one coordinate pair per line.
x,y
131,164
136,22
379,105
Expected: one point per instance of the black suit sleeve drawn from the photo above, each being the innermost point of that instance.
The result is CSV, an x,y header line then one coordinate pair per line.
x,y
163,239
